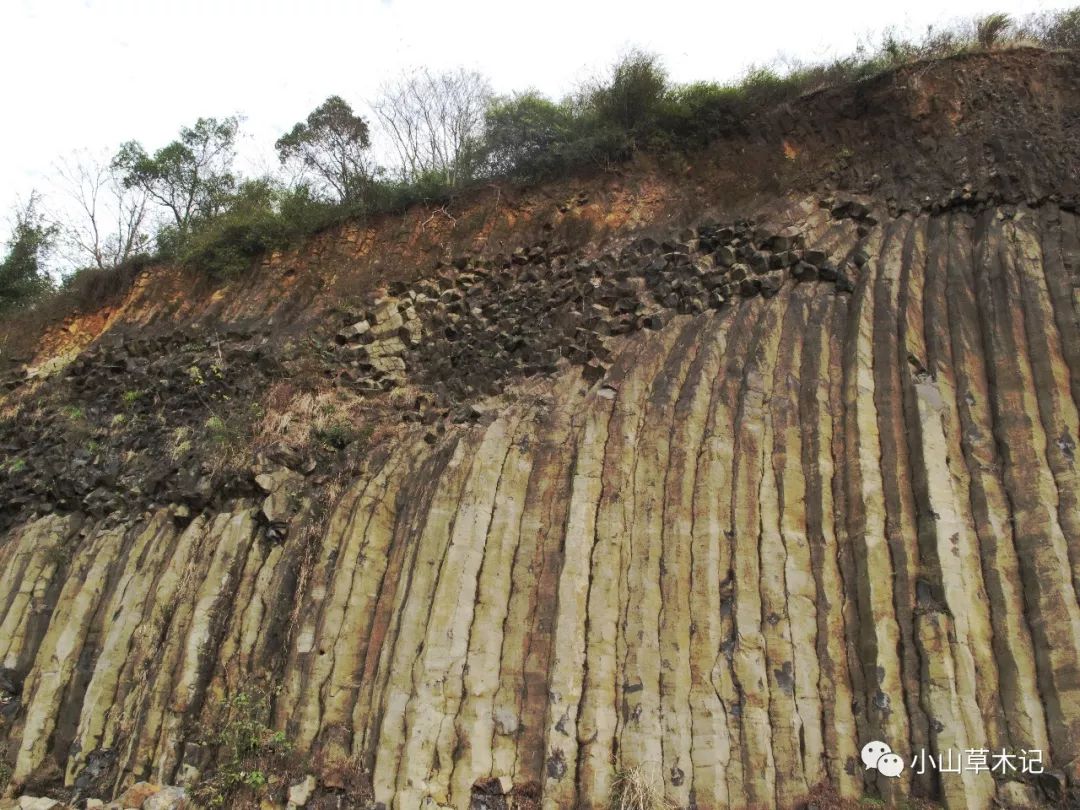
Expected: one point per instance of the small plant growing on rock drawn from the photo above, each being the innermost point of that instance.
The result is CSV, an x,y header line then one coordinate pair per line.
x,y
339,434
59,555
215,426
251,756
181,443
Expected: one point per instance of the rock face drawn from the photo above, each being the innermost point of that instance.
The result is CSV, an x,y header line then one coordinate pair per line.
x,y
750,497
764,536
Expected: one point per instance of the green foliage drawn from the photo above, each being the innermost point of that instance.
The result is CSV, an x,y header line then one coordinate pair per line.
x,y
302,212
990,30
92,287
247,227
190,177
526,135
217,430
631,102
695,114
23,279
430,187
246,747
260,216
338,435
332,144
530,138
451,136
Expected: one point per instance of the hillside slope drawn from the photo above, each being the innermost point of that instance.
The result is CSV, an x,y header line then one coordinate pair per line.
x,y
714,475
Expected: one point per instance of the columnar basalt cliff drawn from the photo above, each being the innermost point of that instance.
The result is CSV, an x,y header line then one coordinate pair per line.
x,y
718,504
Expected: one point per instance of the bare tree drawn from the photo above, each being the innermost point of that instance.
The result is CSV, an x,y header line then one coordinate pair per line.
x,y
435,121
109,227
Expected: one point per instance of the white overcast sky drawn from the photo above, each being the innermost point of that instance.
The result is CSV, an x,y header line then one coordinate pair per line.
x,y
89,74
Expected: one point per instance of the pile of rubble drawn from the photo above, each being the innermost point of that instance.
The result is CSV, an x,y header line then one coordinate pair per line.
x,y
123,423
481,321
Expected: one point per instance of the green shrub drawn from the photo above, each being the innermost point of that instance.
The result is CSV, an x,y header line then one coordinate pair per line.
x,y
389,196
528,137
303,213
633,99
91,288
249,752
23,279
695,114
226,244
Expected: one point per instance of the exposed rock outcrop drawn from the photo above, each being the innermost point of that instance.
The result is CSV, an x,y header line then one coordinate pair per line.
x,y
719,507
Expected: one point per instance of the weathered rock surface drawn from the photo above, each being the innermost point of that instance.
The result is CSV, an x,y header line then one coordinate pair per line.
x,y
763,536
719,506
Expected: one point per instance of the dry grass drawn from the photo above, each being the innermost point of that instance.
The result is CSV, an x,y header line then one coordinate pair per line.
x,y
635,789
291,415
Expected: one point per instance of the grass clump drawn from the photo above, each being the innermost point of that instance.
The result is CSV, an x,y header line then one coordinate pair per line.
x,y
992,30
634,789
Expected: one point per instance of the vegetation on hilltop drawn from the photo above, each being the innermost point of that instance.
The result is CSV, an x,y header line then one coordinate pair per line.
x,y
23,279
186,203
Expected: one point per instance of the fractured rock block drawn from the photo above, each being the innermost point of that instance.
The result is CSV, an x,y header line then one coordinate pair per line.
x,y
353,332
170,798
300,794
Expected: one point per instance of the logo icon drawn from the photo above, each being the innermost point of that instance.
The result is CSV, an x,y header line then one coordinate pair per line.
x,y
880,757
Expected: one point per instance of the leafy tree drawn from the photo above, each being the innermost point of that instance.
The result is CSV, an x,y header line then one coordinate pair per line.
x,y
332,144
633,97
23,277
190,177
527,136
